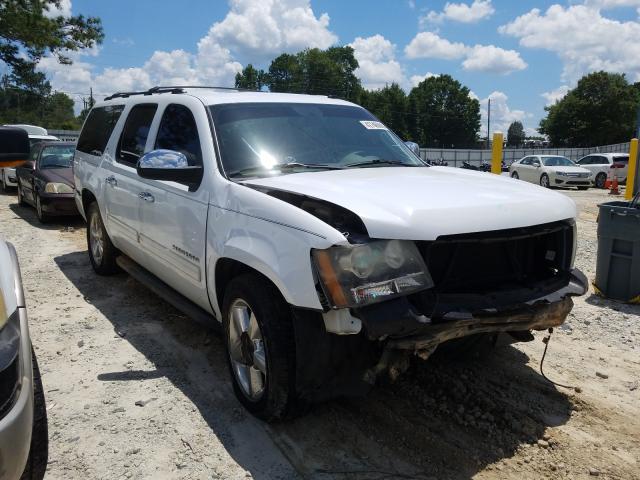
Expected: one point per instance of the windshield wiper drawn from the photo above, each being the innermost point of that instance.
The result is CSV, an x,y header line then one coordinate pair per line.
x,y
285,167
379,161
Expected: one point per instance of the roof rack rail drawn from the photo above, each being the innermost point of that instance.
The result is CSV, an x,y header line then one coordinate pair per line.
x,y
175,89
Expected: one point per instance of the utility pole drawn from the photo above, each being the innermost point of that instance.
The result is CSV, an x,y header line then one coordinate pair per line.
x,y
488,121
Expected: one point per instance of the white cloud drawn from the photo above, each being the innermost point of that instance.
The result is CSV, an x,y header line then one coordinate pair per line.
x,y
412,4
64,10
460,12
479,58
416,79
430,45
582,38
251,32
489,58
501,114
258,29
608,4
554,95
377,64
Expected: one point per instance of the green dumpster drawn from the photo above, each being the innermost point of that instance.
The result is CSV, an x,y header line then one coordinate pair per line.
x,y
618,263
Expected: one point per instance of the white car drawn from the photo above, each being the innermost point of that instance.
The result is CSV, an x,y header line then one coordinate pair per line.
x,y
36,134
551,171
601,164
328,252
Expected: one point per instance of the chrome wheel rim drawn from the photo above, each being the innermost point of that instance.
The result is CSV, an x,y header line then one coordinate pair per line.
x,y
96,239
246,350
544,181
600,180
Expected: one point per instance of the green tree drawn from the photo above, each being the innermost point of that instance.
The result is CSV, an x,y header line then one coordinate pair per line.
x,y
600,110
389,104
250,78
443,114
26,35
316,72
515,134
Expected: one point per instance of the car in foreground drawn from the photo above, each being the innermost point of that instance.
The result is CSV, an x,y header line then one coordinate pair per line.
x,y
46,180
551,171
327,251
22,413
8,178
601,166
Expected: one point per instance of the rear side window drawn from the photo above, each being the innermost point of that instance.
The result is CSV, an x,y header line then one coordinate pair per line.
x,y
178,132
135,132
98,128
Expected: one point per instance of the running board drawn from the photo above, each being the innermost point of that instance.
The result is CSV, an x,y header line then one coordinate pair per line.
x,y
167,293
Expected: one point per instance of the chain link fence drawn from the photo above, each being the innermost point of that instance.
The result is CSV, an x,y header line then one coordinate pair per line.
x,y
455,157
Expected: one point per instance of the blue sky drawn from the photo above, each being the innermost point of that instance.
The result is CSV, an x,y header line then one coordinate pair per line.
x,y
522,54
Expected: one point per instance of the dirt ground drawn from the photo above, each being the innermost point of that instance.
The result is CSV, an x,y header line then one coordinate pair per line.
x,y
136,390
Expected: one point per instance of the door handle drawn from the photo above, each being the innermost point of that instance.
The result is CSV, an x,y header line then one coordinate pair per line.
x,y
146,196
111,181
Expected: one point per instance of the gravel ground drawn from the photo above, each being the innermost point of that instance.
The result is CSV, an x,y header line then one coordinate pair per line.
x,y
136,390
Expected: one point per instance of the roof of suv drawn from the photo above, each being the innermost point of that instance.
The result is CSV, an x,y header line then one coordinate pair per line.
x,y
217,95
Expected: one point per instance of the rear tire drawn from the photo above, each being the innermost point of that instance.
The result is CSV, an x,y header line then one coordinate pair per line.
x,y
544,181
260,347
601,179
102,253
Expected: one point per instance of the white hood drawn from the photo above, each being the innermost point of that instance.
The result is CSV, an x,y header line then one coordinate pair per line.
x,y
424,203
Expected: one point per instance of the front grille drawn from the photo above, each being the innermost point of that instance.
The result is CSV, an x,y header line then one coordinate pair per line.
x,y
505,260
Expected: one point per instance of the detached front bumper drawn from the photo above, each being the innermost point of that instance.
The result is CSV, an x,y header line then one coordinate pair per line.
x,y
404,328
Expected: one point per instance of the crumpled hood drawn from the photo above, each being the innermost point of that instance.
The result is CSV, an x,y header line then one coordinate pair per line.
x,y
416,203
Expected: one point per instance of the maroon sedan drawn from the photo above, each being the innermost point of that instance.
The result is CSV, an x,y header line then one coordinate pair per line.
x,y
46,180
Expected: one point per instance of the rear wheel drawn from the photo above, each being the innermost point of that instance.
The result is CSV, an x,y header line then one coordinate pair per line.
x,y
102,253
260,347
601,179
515,175
544,180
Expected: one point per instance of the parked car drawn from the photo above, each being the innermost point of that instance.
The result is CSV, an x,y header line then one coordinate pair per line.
x,y
22,412
325,249
36,134
601,164
551,171
46,180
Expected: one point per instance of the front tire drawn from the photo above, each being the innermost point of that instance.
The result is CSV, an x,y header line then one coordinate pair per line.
x,y
544,181
515,175
21,201
102,253
258,333
40,213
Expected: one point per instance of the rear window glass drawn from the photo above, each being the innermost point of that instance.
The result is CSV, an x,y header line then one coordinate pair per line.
x,y
98,128
621,159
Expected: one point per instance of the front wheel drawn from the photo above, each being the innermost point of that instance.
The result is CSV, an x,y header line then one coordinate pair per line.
x,y
260,347
515,175
21,201
102,253
544,181
40,213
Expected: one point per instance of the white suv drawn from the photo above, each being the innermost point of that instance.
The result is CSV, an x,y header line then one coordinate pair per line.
x,y
601,164
326,249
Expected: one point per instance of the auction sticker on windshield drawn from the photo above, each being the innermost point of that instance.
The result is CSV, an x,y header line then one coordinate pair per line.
x,y
371,125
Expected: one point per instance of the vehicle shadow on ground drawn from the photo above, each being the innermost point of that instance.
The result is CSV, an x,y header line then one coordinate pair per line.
x,y
610,304
28,214
442,419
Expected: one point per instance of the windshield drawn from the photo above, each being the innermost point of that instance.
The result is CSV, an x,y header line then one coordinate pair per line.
x,y
58,156
557,162
258,139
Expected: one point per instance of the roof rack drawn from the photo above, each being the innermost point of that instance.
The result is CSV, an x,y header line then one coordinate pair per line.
x,y
175,90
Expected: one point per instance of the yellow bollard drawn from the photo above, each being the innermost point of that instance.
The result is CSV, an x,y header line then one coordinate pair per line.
x,y
631,171
496,156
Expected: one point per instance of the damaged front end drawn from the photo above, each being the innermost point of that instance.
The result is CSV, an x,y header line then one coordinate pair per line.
x,y
513,281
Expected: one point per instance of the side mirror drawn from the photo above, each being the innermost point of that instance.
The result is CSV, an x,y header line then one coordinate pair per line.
x,y
414,147
536,164
14,146
170,166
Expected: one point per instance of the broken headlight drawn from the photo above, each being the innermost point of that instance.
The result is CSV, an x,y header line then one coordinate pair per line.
x,y
357,275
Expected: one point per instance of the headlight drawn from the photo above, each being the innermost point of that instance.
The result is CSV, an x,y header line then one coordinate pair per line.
x,y
562,174
57,188
357,275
